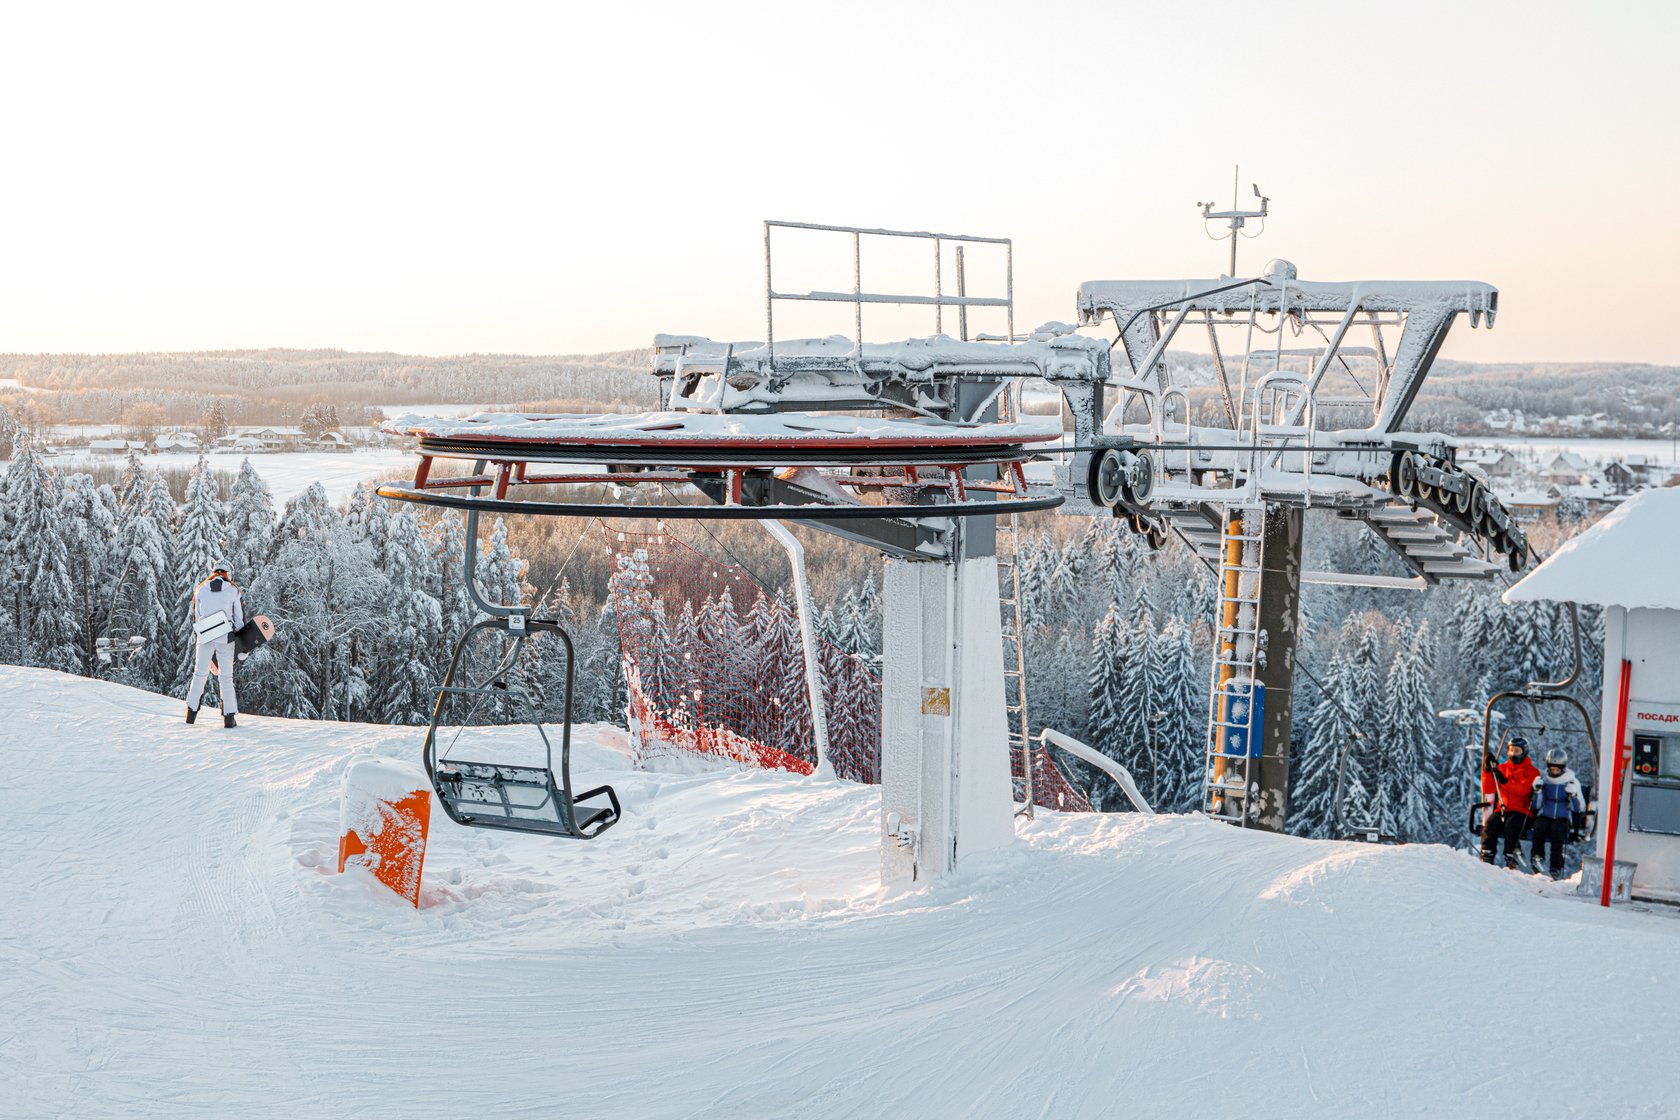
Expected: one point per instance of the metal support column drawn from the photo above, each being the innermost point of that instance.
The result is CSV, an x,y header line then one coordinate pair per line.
x,y
1280,602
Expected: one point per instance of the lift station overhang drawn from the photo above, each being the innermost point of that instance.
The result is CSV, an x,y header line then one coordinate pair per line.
x,y
1625,564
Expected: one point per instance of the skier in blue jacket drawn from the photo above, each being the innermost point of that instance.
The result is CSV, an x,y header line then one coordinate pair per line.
x,y
1557,796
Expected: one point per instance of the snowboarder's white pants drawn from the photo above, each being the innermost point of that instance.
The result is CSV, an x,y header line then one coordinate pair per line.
x,y
223,653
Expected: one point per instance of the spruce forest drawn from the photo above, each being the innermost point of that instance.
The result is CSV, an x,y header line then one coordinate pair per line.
x,y
97,578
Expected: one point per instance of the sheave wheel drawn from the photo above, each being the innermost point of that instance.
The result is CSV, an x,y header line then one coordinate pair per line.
x,y
1517,556
1405,475
1108,476
1462,500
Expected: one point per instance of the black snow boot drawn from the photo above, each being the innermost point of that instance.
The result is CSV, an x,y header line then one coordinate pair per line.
x,y
1510,863
227,720
192,714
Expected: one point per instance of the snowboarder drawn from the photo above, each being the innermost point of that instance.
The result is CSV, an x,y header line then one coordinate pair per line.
x,y
218,610
1514,783
1557,797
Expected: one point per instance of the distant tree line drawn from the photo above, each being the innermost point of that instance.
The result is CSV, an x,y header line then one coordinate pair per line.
x,y
280,386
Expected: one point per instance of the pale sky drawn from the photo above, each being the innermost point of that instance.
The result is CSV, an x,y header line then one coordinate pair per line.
x,y
554,178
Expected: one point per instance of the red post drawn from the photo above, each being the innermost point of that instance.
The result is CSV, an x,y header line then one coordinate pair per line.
x,y
1618,760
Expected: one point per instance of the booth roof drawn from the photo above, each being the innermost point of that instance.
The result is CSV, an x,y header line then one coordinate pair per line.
x,y
1626,560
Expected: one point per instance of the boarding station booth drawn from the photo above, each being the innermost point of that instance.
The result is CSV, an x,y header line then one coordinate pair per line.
x,y
1626,564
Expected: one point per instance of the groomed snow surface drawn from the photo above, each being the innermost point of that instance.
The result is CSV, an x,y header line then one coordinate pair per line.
x,y
174,941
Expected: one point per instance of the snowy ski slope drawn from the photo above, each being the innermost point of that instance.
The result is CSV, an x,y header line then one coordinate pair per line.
x,y
173,943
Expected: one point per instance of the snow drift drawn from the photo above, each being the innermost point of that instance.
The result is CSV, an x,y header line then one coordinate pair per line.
x,y
174,941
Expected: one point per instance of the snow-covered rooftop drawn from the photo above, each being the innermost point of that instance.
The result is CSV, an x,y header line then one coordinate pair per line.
x,y
1626,560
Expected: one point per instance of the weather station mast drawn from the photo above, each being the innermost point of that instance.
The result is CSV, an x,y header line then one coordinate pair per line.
x,y
1237,220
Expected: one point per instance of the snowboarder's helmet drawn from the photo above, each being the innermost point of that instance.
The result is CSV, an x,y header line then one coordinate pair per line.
x,y
1516,744
1557,757
219,568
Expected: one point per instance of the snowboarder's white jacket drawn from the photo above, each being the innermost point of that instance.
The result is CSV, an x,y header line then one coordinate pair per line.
x,y
217,594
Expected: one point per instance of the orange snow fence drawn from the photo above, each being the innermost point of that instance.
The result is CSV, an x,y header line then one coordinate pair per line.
x,y
383,816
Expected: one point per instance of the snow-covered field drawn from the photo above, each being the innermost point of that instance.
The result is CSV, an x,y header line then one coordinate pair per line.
x,y
174,942
287,473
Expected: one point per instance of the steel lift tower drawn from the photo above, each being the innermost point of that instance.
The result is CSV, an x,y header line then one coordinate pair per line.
x,y
1230,446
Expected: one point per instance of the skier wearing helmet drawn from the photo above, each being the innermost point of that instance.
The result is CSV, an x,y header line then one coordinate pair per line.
x,y
1557,796
1514,783
218,610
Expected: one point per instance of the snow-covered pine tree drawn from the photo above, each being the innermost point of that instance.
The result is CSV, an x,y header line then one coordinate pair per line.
x,y
329,597
250,524
1312,804
88,519
1103,687
1140,677
1409,736
1180,737
199,543
1363,804
1068,588
403,681
144,596
501,580
1035,564
782,652
132,486
456,611
45,606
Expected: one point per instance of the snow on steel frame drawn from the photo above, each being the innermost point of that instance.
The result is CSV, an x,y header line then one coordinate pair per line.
x,y
793,467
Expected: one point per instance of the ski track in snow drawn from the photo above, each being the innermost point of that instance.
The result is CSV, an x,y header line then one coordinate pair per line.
x,y
175,943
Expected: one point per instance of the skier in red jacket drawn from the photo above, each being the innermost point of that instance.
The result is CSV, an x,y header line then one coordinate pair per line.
x,y
1512,809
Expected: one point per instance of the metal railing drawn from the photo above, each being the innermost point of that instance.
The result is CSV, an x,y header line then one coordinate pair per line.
x,y
1122,776
857,297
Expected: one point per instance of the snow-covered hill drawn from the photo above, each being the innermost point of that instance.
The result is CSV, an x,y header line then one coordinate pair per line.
x,y
173,941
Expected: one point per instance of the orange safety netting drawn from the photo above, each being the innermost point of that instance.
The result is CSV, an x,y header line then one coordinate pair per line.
x,y
1051,788
715,669
715,666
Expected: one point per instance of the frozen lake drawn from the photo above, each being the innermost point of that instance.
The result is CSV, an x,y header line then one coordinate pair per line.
x,y
1594,451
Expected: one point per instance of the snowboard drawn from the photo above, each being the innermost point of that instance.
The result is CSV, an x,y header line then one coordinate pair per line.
x,y
247,639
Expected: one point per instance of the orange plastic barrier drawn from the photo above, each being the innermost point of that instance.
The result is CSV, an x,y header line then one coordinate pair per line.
x,y
382,830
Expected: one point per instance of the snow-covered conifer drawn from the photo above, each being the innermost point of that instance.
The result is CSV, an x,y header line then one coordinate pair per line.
x,y
250,523
1179,738
88,519
199,543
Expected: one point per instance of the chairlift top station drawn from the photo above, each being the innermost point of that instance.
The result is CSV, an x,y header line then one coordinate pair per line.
x,y
920,448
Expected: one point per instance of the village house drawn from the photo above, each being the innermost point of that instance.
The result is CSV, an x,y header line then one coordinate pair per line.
x,y
1494,462
176,441
115,446
1567,468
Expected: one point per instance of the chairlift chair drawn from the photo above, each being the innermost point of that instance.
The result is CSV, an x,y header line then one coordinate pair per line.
x,y
534,799
1582,824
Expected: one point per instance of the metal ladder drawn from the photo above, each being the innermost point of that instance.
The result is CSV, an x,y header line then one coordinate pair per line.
x,y
1014,654
1232,731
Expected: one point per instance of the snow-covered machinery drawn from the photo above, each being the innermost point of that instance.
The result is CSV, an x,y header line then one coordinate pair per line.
x,y
1231,461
